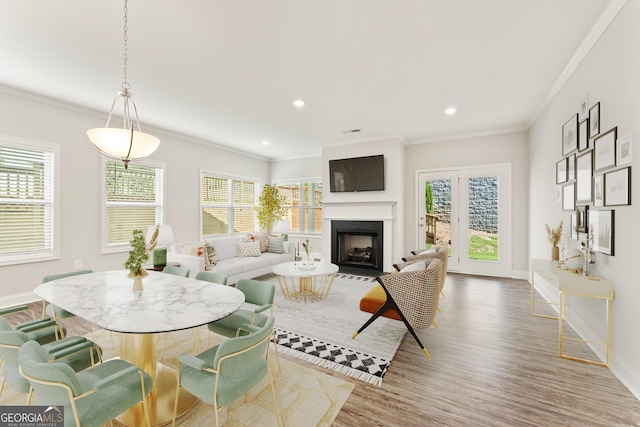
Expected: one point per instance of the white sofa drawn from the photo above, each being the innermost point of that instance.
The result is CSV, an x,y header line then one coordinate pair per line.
x,y
228,261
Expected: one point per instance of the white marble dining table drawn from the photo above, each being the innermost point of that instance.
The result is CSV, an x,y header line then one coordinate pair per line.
x,y
167,303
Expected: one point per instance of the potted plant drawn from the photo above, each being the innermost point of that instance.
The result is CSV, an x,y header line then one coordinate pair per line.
x,y
138,255
554,236
271,207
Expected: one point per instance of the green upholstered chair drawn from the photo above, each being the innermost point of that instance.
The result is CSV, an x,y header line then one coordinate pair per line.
x,y
78,352
91,397
176,271
225,373
209,276
409,296
260,295
52,311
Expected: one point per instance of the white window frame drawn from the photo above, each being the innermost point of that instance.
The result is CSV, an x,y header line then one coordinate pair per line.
x,y
161,187
52,189
257,182
300,182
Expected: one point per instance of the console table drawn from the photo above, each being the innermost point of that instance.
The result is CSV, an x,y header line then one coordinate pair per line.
x,y
576,285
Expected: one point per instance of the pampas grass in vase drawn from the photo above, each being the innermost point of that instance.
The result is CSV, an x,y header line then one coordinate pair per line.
x,y
554,236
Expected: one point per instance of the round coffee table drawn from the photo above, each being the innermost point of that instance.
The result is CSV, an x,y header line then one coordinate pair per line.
x,y
302,283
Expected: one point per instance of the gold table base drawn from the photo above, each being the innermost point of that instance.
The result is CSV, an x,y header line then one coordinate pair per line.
x,y
310,289
141,350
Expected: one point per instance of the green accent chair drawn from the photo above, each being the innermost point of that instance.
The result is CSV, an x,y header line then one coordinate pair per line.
x,y
223,374
77,352
260,295
52,311
91,397
209,276
176,271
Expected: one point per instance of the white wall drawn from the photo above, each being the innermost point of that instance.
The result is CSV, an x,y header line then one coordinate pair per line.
x,y
476,151
80,196
609,74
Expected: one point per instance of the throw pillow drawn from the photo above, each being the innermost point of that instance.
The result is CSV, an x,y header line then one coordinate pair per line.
x,y
428,251
209,254
259,237
190,250
275,245
248,249
416,266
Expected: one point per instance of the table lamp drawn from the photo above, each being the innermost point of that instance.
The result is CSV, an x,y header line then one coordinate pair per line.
x,y
165,238
282,227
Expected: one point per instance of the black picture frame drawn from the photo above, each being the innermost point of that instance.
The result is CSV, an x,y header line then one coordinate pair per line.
x,y
583,135
604,150
598,191
570,136
571,167
582,219
617,187
584,175
569,197
603,231
594,120
572,226
561,171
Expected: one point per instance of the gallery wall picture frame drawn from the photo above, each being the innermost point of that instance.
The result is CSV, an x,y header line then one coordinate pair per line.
x,y
584,173
617,187
572,226
570,135
561,171
582,217
583,108
569,197
598,191
594,120
602,224
583,135
571,167
624,150
604,150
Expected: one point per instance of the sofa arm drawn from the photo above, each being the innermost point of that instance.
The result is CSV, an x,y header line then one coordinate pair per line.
x,y
195,264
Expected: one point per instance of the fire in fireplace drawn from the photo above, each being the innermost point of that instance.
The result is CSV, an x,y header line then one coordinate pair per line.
x,y
357,245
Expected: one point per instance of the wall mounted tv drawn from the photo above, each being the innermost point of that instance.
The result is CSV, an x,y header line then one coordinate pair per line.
x,y
357,174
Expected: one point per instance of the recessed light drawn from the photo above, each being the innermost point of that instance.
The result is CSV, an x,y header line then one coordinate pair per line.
x,y
298,103
265,142
450,110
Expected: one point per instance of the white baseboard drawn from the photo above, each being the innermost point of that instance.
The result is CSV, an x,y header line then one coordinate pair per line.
x,y
18,299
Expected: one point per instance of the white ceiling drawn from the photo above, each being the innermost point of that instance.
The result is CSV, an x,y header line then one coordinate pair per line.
x,y
228,71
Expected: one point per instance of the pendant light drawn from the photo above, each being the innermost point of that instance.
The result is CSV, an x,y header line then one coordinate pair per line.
x,y
129,142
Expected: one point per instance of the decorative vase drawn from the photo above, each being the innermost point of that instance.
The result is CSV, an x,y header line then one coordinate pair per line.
x,y
307,261
555,253
137,278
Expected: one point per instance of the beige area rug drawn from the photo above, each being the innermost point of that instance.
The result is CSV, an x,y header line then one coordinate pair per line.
x,y
305,397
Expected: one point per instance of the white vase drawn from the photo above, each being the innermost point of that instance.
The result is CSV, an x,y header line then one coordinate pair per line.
x,y
307,260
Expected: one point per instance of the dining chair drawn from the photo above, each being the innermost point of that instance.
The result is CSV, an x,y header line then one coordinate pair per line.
x,y
209,276
260,296
78,352
56,313
176,271
409,296
92,397
225,373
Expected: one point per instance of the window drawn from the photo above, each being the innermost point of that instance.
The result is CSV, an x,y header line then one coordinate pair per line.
x,y
304,200
227,204
28,214
133,201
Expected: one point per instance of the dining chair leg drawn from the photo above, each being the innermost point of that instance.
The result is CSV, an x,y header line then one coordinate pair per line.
x,y
275,346
273,392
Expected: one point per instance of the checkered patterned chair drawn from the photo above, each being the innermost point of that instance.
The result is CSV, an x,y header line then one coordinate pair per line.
x,y
409,296
438,252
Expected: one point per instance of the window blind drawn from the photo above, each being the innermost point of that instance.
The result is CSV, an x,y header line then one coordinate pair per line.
x,y
227,205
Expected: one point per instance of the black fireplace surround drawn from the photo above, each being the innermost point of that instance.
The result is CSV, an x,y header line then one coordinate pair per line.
x,y
356,246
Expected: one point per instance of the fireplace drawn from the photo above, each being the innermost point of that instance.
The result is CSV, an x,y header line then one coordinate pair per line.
x,y
356,246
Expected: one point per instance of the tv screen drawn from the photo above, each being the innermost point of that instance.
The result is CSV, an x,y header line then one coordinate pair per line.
x,y
357,174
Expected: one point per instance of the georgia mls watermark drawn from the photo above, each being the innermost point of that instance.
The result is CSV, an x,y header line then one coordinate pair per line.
x,y
31,416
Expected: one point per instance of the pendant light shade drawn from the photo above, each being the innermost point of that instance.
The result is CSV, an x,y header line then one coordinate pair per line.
x,y
124,143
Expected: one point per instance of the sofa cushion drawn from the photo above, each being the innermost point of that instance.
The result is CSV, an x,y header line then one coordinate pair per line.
x,y
275,245
259,237
416,266
249,249
248,264
228,267
225,246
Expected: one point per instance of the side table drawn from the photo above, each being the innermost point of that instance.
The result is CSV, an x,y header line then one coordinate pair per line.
x,y
313,283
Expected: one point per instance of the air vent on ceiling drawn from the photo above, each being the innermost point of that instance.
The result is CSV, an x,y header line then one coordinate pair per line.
x,y
351,131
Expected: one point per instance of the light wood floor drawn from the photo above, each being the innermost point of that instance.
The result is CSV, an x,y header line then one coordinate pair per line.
x,y
493,364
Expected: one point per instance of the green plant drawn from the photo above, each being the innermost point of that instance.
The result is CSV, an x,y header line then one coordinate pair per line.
x,y
271,206
139,253
428,197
